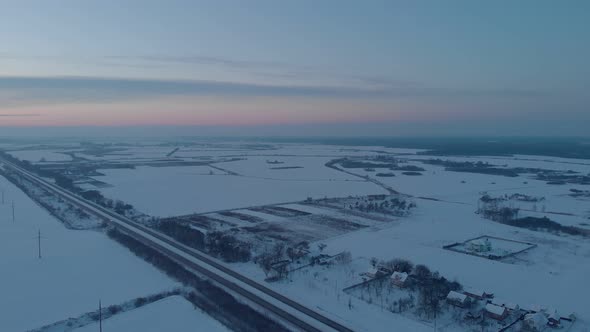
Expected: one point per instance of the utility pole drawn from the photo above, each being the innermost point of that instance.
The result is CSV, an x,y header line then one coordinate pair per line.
x,y
39,243
99,316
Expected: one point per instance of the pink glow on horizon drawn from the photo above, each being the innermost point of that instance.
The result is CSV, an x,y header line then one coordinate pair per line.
x,y
226,112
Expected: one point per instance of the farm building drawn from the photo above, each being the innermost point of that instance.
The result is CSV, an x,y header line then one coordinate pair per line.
x,y
457,299
399,279
478,294
376,272
537,308
554,320
508,305
481,245
371,273
534,322
496,312
511,306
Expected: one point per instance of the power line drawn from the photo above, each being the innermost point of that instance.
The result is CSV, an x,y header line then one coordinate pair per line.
x,y
39,242
99,316
38,238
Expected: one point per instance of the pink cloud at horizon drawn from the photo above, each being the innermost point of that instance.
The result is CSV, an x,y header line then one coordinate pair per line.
x,y
236,111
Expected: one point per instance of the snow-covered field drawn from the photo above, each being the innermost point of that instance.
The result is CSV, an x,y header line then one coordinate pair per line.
x,y
170,314
35,156
552,274
548,274
76,270
166,191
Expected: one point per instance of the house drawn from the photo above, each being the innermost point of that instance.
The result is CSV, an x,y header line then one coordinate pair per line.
x,y
371,273
457,299
537,308
554,320
376,272
511,306
508,305
399,279
477,294
534,322
496,312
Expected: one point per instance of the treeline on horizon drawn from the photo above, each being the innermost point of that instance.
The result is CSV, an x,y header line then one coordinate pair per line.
x,y
563,147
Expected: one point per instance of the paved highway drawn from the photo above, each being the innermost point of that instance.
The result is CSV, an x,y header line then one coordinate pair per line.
x,y
292,312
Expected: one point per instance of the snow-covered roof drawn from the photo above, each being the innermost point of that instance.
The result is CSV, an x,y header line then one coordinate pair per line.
x,y
476,292
538,308
512,306
535,320
456,296
504,303
494,309
554,315
399,276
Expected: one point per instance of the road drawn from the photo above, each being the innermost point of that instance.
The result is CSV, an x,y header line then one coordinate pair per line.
x,y
290,311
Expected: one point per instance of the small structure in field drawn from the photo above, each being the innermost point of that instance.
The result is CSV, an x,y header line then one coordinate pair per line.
x,y
480,245
457,299
399,279
496,312
490,247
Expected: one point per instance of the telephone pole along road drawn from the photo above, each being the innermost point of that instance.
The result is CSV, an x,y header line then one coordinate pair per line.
x,y
286,309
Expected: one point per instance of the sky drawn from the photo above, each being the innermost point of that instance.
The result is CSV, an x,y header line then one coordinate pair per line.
x,y
346,68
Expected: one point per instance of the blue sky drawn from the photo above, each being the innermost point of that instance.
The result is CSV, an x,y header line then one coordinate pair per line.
x,y
420,66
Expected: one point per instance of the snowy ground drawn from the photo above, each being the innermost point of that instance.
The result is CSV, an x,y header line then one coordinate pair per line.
x,y
77,269
553,274
35,156
167,191
170,314
545,276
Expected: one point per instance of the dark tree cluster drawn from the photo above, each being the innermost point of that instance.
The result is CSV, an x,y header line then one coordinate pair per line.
x,y
502,214
394,205
228,247
208,297
548,225
183,234
433,288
